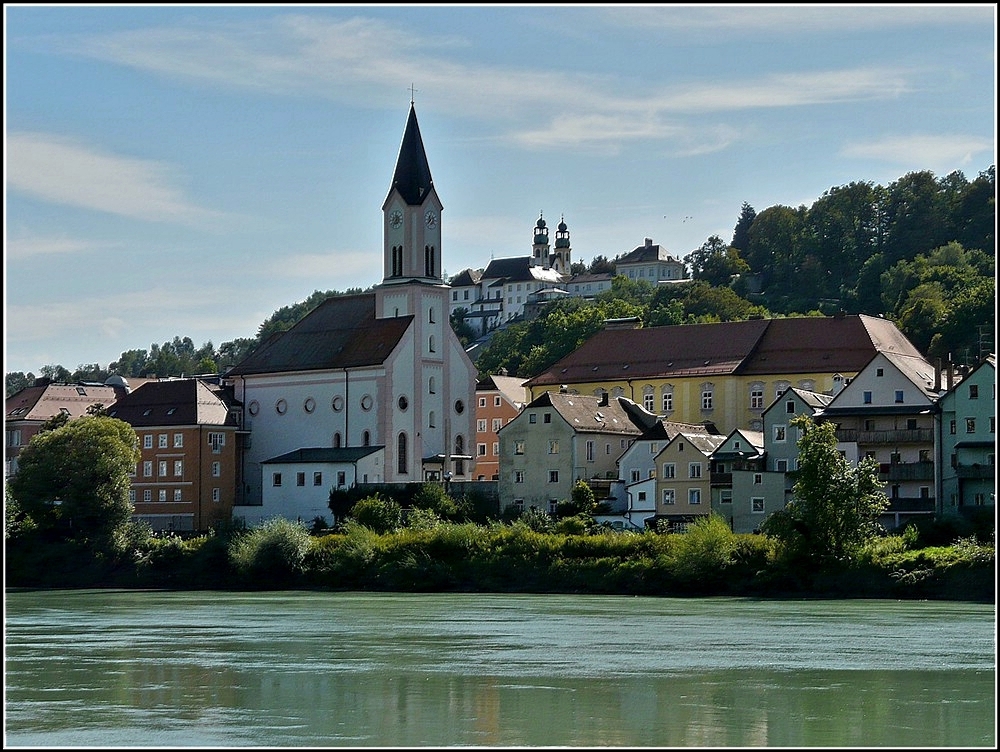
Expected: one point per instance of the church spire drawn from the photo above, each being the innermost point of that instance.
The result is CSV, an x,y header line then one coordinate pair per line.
x,y
412,177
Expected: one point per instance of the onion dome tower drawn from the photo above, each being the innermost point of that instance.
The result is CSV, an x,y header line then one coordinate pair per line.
x,y
540,249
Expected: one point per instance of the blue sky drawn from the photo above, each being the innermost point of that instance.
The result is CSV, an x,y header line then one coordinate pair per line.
x,y
188,170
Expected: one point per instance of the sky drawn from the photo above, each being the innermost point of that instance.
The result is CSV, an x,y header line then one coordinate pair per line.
x,y
187,170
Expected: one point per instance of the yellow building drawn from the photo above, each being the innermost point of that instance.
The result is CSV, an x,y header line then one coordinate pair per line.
x,y
728,372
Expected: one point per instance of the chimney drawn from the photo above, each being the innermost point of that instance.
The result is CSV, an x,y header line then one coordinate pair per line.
x,y
604,400
649,242
937,375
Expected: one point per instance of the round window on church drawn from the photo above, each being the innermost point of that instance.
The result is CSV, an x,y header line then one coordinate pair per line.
x,y
403,402
254,407
309,405
281,406
337,404
367,402
459,407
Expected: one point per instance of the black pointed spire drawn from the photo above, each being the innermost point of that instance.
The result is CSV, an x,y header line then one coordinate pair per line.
x,y
412,177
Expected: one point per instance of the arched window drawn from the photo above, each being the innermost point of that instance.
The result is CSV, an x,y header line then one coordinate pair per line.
x,y
459,450
430,344
366,438
397,261
401,454
431,419
430,385
428,261
430,315
336,440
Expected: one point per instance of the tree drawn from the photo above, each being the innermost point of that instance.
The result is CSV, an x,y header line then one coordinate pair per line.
x,y
15,381
77,478
835,505
378,514
741,233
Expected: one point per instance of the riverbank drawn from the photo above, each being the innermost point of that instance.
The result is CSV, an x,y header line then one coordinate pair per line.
x,y
508,558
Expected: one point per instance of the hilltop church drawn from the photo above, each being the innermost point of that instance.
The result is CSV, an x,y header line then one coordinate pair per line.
x,y
369,388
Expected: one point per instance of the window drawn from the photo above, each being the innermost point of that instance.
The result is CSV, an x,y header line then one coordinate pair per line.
x,y
899,396
554,446
552,506
480,450
547,418
647,401
779,433
669,470
217,440
790,407
300,479
162,443
973,391
781,466
519,446
162,496
147,441
532,418
431,419
758,479
756,397
694,496
482,402
147,495
162,469
757,505
178,468
634,476
519,505
366,438
980,499
879,372
970,425
668,496
497,424
496,401
694,470
869,425
553,476
336,440
216,469
134,471
431,388
216,495
519,476
496,448
481,425
401,462
276,479
866,397
726,497
147,469
131,495
706,399
178,440
177,495
317,479
668,402
953,427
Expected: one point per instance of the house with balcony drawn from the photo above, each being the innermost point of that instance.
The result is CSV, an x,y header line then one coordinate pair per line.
x,y
741,485
683,479
560,438
966,434
888,412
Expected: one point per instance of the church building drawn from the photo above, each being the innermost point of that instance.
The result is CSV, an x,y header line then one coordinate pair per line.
x,y
368,388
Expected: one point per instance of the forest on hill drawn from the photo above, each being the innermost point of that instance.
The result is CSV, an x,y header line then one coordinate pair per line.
x,y
920,251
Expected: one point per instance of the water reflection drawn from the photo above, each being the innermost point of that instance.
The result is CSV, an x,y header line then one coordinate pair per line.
x,y
310,669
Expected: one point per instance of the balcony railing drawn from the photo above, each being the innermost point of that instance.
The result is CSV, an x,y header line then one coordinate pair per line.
x,y
911,504
903,436
906,471
976,471
722,479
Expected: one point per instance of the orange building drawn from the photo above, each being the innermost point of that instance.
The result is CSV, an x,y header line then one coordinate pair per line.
x,y
499,399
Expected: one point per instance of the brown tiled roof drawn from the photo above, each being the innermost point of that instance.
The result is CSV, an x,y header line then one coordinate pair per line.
x,y
39,403
341,332
176,402
824,344
685,350
586,414
760,346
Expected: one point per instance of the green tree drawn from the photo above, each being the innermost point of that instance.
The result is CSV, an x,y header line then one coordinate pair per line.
x,y
835,505
378,514
77,478
741,233
15,381
715,262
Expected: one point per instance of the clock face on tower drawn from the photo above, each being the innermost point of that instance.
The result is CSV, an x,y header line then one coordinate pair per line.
x,y
430,219
396,218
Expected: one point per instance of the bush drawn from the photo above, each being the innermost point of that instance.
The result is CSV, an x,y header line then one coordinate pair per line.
x,y
378,514
705,551
271,554
575,525
536,520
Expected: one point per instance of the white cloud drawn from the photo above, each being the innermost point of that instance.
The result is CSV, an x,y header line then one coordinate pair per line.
x,y
30,246
940,153
61,171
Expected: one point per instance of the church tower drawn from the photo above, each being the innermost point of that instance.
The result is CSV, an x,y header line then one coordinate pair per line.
x,y
540,246
561,258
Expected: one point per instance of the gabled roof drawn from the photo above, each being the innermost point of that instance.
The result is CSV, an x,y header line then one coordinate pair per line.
x,y
177,402
803,344
684,350
510,387
644,254
412,177
706,443
666,429
42,401
466,278
584,278
325,455
341,332
520,269
754,440
813,400
914,369
586,414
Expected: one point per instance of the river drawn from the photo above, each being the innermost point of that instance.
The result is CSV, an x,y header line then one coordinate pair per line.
x,y
166,669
